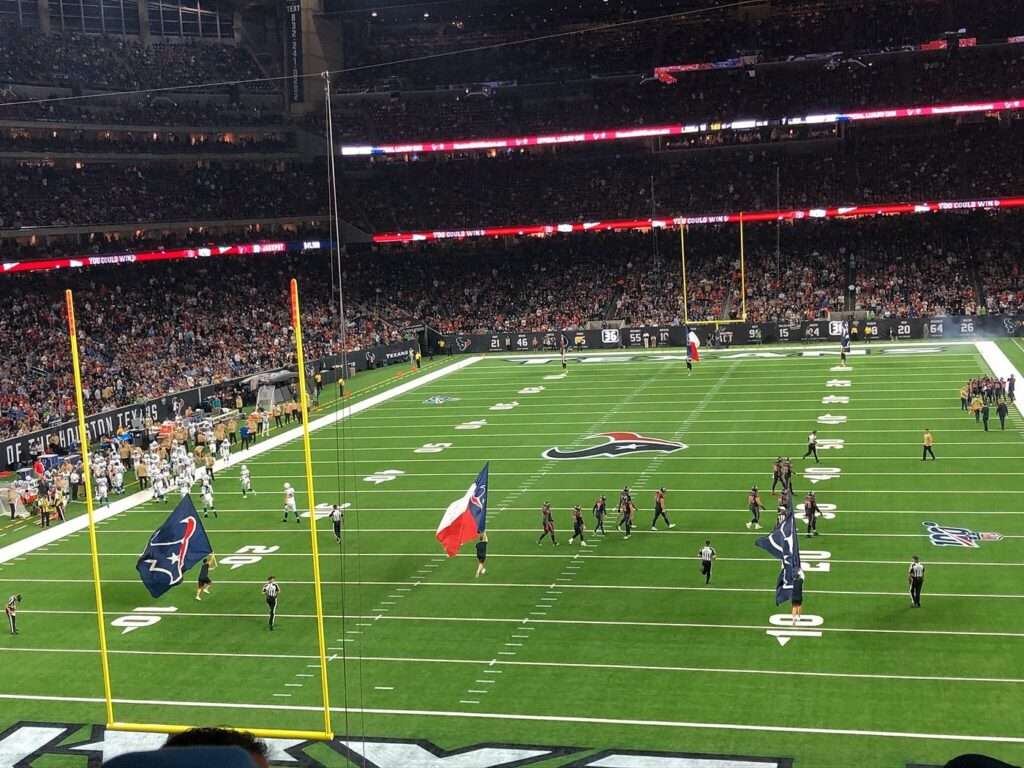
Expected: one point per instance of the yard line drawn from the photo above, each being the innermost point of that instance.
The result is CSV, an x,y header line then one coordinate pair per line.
x,y
540,555
546,718
674,532
386,688
730,509
566,622
540,663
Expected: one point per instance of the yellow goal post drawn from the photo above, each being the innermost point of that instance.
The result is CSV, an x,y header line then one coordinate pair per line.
x,y
743,281
327,734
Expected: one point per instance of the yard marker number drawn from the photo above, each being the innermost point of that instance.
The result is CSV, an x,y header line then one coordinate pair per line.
x,y
248,555
800,628
432,447
384,476
140,618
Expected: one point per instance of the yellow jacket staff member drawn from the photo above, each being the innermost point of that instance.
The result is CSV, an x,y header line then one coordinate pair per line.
x,y
926,445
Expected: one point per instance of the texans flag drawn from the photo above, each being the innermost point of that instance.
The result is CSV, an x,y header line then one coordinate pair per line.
x,y
783,543
174,547
465,518
693,346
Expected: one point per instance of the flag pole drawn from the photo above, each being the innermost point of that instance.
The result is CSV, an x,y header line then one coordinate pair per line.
x,y
304,405
682,262
743,272
83,441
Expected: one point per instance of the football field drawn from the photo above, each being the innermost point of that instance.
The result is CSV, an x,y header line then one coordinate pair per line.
x,y
569,654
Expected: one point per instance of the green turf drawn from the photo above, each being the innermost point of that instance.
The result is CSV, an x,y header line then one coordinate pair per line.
x,y
623,634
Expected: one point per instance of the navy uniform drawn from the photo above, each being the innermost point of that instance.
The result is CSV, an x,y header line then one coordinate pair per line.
x,y
776,473
271,590
659,509
811,513
707,556
625,501
547,521
600,509
754,504
577,526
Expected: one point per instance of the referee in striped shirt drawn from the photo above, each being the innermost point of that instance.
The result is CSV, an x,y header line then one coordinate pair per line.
x,y
915,577
11,609
271,590
707,556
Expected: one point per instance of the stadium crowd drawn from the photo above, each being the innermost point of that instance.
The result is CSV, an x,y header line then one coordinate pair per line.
x,y
193,323
702,32
195,329
932,163
116,63
929,163
708,96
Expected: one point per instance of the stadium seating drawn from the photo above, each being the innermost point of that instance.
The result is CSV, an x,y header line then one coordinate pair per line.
x,y
198,330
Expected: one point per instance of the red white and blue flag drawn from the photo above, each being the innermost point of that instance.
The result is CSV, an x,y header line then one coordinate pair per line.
x,y
465,518
174,547
693,346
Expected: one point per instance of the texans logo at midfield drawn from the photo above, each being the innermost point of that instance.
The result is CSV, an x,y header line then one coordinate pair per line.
x,y
617,444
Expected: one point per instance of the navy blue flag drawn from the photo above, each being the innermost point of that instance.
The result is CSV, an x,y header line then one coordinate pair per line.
x,y
784,544
174,547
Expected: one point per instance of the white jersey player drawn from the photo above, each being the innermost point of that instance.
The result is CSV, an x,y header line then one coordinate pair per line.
x,y
159,486
208,501
289,504
246,480
184,484
101,490
224,450
117,478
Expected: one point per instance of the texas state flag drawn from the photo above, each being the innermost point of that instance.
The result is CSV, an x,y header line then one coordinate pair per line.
x,y
465,518
693,346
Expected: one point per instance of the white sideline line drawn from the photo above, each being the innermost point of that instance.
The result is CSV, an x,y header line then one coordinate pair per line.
x,y
535,718
19,548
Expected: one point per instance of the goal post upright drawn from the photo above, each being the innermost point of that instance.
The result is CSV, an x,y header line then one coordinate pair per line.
x,y
685,280
83,442
743,274
327,733
682,262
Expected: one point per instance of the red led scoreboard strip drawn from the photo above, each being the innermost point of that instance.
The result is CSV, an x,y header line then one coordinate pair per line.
x,y
838,212
675,129
132,257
